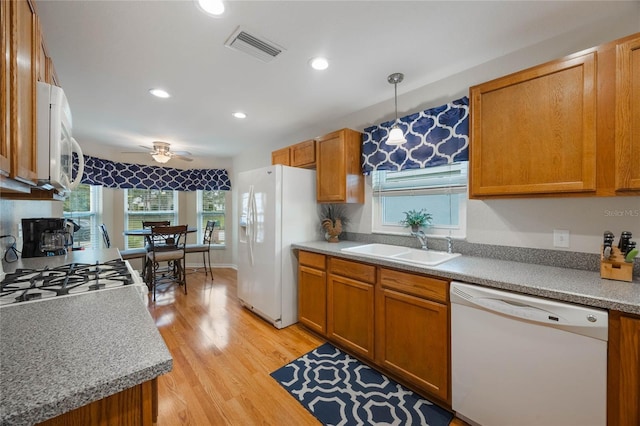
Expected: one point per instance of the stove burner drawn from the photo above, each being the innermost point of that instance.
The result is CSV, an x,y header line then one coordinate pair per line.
x,y
31,284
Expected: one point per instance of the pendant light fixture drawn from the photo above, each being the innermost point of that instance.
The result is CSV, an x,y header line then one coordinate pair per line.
x,y
395,135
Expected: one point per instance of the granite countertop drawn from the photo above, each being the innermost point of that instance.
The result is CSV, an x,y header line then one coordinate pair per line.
x,y
563,284
62,353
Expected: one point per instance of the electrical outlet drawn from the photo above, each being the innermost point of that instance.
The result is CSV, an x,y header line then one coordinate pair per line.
x,y
561,238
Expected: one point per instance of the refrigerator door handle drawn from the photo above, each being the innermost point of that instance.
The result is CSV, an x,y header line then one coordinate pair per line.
x,y
251,223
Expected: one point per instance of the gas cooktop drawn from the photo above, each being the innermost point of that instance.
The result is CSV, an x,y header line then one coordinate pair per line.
x,y
25,285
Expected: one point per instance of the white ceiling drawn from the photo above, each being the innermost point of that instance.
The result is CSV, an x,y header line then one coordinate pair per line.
x,y
107,55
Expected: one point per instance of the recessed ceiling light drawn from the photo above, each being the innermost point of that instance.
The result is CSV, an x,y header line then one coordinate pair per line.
x,y
319,63
239,114
212,7
159,93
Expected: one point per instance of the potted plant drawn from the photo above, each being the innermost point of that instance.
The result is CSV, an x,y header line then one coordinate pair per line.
x,y
332,220
415,219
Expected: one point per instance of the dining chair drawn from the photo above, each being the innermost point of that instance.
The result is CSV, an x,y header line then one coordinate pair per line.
x,y
173,253
151,224
205,247
135,253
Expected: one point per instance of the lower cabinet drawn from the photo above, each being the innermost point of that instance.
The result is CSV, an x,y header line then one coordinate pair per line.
x,y
350,305
312,292
623,390
137,405
412,330
396,321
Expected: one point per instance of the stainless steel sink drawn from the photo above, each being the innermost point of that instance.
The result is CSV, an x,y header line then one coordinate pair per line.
x,y
402,254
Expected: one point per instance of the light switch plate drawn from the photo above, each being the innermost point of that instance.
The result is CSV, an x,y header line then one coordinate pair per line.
x,y
561,238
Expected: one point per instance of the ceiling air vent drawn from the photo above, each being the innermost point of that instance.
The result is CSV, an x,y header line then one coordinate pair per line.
x,y
253,45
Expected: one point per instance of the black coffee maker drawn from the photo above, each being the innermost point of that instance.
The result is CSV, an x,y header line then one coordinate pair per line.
x,y
46,236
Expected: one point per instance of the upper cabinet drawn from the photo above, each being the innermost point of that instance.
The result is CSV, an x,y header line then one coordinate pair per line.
x,y
567,127
535,131
21,44
25,44
339,174
302,154
281,156
5,49
628,115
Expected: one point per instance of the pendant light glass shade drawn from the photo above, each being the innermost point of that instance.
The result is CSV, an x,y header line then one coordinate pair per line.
x,y
396,137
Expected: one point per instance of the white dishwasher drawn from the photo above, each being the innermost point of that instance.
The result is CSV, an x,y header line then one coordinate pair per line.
x,y
524,361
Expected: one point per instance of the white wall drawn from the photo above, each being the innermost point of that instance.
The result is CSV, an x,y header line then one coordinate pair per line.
x,y
517,222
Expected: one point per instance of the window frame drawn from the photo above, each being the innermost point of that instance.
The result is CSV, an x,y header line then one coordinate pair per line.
x,y
94,214
201,213
127,213
455,186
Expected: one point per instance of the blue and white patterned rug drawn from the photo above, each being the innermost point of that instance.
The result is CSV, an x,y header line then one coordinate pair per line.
x,y
340,390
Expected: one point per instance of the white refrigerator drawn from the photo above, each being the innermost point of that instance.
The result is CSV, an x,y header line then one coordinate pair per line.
x,y
277,208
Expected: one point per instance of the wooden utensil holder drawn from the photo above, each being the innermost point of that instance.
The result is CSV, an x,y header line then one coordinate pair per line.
x,y
615,268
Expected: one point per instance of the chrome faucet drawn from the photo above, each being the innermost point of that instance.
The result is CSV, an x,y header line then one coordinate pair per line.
x,y
449,245
422,237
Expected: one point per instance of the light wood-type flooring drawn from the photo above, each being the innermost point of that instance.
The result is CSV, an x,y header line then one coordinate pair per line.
x,y
222,358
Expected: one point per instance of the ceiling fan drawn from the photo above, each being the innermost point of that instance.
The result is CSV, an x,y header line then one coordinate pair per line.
x,y
162,153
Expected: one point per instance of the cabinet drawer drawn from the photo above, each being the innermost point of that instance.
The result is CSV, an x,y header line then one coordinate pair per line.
x,y
355,270
314,260
303,154
417,285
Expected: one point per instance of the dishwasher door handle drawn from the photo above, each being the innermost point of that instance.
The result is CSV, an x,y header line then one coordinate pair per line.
x,y
518,310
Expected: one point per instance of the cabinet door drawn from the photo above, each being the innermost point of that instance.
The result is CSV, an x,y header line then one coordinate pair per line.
x,y
5,60
281,156
534,132
628,115
312,299
23,91
350,306
412,340
623,390
331,172
339,174
303,154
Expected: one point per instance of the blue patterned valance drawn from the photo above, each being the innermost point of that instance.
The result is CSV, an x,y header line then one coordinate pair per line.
x,y
434,137
110,174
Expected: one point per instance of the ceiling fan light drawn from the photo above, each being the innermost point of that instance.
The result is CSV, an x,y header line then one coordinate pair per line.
x,y
395,136
161,157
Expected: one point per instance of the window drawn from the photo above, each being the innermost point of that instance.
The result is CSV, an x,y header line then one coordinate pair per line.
x,y
441,191
148,205
211,206
84,207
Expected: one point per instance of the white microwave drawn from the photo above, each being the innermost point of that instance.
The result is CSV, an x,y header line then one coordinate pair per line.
x,y
55,143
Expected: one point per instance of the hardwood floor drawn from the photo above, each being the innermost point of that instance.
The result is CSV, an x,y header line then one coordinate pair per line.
x,y
222,358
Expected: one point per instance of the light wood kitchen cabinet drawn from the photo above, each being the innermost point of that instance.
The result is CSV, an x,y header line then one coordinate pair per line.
x,y
412,330
623,375
627,129
350,305
565,128
24,51
339,174
281,156
303,154
534,132
137,405
5,107
312,291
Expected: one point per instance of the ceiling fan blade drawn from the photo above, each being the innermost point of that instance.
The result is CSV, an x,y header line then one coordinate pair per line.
x,y
183,158
134,152
181,152
147,147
